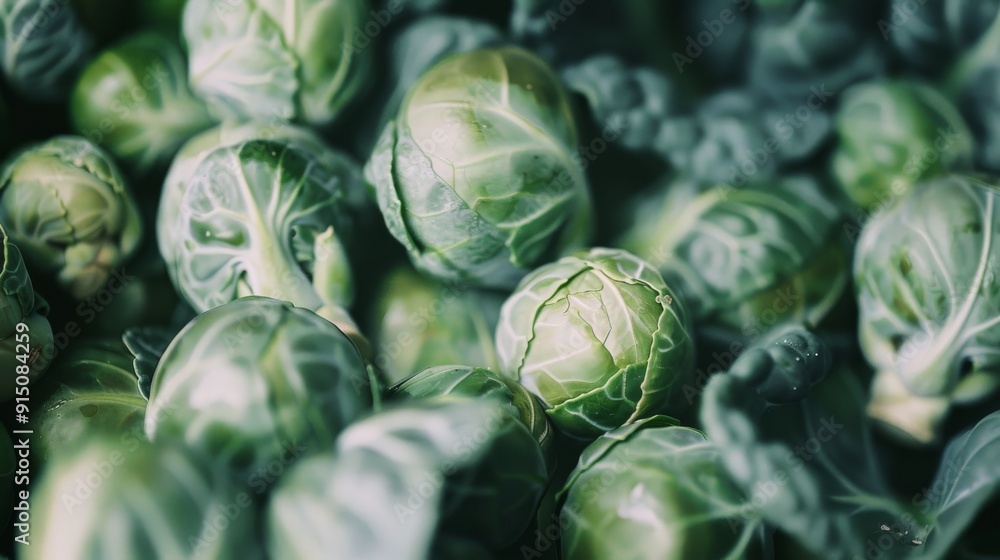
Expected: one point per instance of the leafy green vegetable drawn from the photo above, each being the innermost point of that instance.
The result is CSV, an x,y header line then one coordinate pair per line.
x,y
67,207
262,217
42,47
927,289
966,481
600,338
655,490
90,390
893,134
251,378
496,499
796,447
270,59
476,176
101,499
420,323
745,260
19,304
381,491
133,99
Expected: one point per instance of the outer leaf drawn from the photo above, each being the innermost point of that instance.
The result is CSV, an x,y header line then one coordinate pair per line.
x,y
89,391
147,345
379,495
254,377
966,481
142,501
796,446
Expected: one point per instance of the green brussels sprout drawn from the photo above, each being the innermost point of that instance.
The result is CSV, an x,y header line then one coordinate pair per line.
x,y
20,346
268,58
90,389
929,319
133,99
600,338
420,323
261,217
43,47
380,492
191,154
478,176
893,134
655,490
745,260
101,500
67,207
494,501
253,377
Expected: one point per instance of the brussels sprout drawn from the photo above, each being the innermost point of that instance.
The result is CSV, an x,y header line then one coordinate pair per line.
x,y
926,280
799,45
42,47
893,134
600,338
133,99
67,207
420,323
477,176
737,135
191,154
418,46
248,379
655,490
495,501
634,104
262,218
745,260
90,389
20,346
379,494
101,500
268,58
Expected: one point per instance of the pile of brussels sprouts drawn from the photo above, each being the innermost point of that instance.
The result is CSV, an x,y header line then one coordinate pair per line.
x,y
531,279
